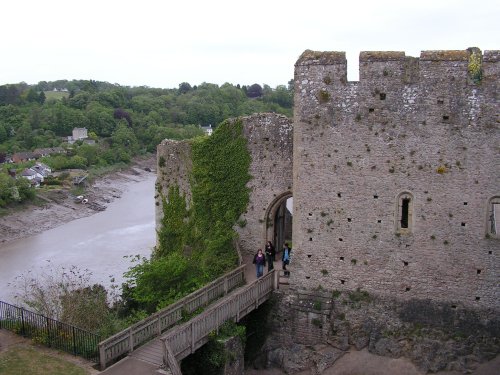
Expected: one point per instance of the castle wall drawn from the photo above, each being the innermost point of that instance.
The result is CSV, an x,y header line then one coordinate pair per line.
x,y
416,128
174,166
269,142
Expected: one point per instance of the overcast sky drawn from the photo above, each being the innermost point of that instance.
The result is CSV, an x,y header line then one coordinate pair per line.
x,y
161,43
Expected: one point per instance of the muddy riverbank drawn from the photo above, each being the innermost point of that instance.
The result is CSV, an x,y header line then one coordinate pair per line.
x,y
59,206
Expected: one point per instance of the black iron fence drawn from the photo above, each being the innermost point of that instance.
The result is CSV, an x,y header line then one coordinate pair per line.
x,y
49,332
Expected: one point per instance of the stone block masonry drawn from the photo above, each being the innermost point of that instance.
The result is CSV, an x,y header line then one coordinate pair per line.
x,y
395,175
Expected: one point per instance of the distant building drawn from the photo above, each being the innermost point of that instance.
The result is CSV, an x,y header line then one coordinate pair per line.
x,y
42,169
40,152
37,173
20,157
208,129
78,134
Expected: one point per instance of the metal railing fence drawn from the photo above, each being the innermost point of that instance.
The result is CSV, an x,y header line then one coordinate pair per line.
x,y
49,332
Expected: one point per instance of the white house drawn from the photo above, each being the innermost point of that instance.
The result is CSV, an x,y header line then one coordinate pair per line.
x,y
37,173
42,169
208,129
78,134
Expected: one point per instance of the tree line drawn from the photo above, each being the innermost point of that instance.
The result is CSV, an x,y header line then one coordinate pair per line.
x,y
123,121
133,119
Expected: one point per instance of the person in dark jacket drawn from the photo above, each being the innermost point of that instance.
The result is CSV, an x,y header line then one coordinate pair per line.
x,y
260,261
285,257
270,255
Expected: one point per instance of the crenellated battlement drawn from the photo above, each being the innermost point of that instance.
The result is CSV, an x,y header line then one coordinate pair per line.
x,y
453,87
455,62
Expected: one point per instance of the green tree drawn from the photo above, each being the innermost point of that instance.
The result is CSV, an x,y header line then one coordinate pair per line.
x,y
254,91
101,119
3,133
90,153
162,281
32,96
124,137
41,97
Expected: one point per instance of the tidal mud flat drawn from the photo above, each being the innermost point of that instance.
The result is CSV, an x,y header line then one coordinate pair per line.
x,y
60,206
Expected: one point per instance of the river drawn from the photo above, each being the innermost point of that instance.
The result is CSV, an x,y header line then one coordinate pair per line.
x,y
97,243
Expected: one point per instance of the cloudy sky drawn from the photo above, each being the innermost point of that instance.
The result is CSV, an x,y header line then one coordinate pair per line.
x,y
161,43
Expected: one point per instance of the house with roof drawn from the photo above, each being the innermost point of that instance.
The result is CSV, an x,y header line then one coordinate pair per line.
x,y
32,176
42,169
41,152
208,129
20,157
78,134
37,173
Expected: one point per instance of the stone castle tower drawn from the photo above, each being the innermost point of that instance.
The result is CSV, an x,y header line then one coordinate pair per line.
x,y
397,176
395,182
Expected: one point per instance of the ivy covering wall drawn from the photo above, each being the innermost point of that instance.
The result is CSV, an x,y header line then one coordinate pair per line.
x,y
196,243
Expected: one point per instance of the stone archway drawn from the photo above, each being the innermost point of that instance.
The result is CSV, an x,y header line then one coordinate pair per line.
x,y
278,223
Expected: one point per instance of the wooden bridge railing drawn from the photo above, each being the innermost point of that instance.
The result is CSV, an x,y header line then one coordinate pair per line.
x,y
185,339
154,325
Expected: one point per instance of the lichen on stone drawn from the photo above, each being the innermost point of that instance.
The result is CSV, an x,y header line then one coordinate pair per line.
x,y
474,68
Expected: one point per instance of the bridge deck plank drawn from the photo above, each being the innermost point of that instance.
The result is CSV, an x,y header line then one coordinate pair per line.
x,y
151,352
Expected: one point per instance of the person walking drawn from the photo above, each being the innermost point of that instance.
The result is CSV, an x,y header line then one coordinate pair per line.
x,y
260,261
285,258
270,255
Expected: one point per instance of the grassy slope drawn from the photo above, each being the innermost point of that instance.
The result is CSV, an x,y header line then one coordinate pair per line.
x,y
19,360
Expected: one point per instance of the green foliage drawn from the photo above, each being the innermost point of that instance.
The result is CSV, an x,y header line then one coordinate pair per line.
x,y
162,280
124,121
220,194
64,294
358,296
196,245
13,191
172,235
323,96
212,357
475,64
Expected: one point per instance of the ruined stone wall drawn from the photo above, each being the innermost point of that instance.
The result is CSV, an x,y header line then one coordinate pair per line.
x,y
419,129
174,167
269,141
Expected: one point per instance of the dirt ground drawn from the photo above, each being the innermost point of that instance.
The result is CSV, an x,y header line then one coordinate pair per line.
x,y
364,363
60,206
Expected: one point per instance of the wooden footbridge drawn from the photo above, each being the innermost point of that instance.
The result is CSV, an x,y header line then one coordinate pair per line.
x,y
165,338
